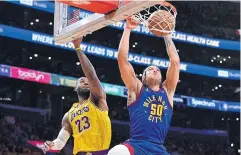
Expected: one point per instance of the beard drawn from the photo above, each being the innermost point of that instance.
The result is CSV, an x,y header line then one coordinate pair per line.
x,y
83,92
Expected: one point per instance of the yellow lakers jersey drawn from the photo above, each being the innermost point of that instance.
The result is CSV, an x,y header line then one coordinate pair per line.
x,y
91,127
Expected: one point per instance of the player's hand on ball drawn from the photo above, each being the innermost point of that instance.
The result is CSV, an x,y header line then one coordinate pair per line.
x,y
47,146
131,23
77,42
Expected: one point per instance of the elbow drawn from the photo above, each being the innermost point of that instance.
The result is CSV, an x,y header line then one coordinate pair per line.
x,y
118,55
175,62
121,57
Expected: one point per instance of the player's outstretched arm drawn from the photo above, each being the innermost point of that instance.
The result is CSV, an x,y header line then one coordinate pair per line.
x,y
127,72
97,93
172,75
62,138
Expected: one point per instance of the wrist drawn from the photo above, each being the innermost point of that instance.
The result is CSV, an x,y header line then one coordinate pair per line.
x,y
127,29
77,49
168,36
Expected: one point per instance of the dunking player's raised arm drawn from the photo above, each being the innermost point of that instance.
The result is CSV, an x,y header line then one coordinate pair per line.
x,y
62,138
172,75
127,72
97,93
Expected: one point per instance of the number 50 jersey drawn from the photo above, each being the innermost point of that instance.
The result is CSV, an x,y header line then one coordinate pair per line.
x,y
91,127
150,116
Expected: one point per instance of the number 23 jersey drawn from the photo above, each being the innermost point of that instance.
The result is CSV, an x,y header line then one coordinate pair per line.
x,y
91,127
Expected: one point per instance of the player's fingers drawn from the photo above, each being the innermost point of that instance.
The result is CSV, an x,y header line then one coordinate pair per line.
x,y
128,18
44,151
50,143
46,147
134,20
131,21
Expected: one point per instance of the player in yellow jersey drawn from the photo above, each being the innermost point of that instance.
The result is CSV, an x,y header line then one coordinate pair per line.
x,y
87,120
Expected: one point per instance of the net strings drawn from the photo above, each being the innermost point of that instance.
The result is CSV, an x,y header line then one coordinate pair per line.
x,y
143,18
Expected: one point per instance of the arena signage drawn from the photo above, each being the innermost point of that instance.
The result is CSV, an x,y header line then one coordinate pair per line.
x,y
110,53
35,4
112,89
116,90
60,80
202,103
178,36
213,104
178,99
4,70
230,106
68,81
30,75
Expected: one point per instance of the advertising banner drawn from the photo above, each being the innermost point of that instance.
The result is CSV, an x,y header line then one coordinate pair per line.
x,y
178,36
229,106
213,104
112,89
30,75
60,80
35,4
202,103
116,90
112,54
68,81
4,70
55,79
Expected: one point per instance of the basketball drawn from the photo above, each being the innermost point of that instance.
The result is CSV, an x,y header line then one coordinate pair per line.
x,y
161,21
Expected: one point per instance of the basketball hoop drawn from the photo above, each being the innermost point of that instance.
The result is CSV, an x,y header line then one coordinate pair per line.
x,y
161,10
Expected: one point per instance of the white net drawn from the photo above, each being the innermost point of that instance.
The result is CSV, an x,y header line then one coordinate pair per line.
x,y
160,18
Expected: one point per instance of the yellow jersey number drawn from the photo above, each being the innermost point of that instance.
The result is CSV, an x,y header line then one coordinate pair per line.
x,y
156,110
84,120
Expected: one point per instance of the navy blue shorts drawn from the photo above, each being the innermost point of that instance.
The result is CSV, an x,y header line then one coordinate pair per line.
x,y
140,147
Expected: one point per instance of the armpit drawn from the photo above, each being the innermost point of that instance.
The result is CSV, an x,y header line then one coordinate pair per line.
x,y
131,97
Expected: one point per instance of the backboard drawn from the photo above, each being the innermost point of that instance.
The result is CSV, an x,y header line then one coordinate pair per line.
x,y
68,24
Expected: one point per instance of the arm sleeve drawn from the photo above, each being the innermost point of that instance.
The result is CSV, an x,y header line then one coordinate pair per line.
x,y
61,140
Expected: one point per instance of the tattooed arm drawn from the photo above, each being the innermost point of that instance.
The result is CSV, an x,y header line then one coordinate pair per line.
x,y
98,95
172,75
